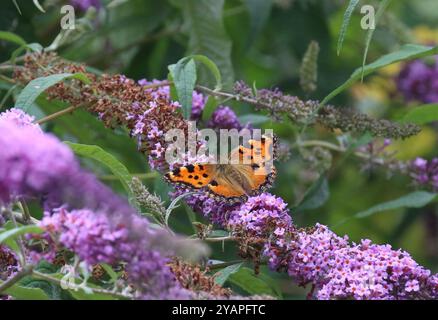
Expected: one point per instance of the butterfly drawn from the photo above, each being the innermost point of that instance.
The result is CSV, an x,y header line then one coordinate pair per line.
x,y
252,174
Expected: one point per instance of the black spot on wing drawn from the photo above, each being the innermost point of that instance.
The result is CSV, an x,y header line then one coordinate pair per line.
x,y
201,167
214,183
190,168
205,175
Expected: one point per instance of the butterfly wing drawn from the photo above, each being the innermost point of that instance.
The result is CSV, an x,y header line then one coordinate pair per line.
x,y
258,151
224,187
259,176
241,181
264,149
232,181
194,175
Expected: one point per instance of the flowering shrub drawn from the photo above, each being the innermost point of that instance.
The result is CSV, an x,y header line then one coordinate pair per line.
x,y
71,133
417,81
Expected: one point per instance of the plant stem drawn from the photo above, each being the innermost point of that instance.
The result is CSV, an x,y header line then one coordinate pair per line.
x,y
4,78
158,84
6,67
47,277
27,270
74,108
231,96
228,96
331,146
225,264
6,96
142,176
19,240
26,213
324,144
20,218
17,59
57,114
220,239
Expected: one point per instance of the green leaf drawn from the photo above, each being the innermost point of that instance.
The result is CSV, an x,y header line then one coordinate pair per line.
x,y
11,243
52,290
209,108
108,269
174,204
259,11
17,6
12,37
184,77
85,127
345,22
45,267
115,3
5,85
254,119
219,233
382,6
207,34
422,114
273,284
315,196
107,159
210,66
406,52
248,281
80,294
26,293
221,276
36,47
30,93
173,94
415,199
13,233
38,5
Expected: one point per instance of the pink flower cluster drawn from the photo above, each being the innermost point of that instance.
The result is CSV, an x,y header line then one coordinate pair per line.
x,y
96,224
94,238
336,268
425,172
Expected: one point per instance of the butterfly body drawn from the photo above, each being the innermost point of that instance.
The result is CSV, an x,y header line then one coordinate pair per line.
x,y
251,175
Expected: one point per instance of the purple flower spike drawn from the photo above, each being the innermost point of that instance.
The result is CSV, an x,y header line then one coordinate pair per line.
x,y
224,118
425,172
96,239
83,5
418,81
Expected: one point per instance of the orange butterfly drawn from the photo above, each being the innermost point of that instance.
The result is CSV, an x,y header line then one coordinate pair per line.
x,y
233,182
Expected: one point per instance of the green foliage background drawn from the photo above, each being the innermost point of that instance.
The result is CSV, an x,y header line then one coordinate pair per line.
x,y
261,42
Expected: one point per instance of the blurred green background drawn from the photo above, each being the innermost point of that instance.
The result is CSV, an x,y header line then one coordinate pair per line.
x,y
263,43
